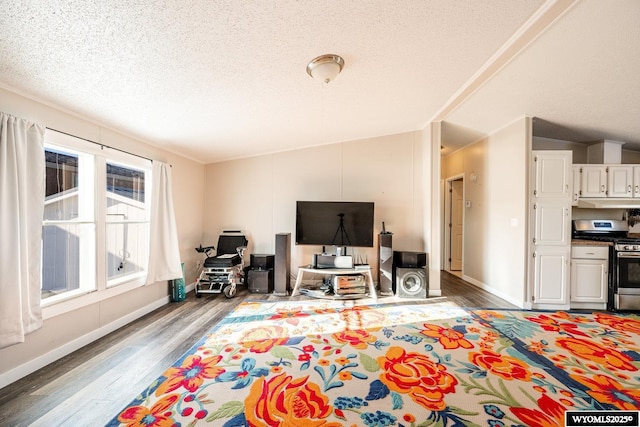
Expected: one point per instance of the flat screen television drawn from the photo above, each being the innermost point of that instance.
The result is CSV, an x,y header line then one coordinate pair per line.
x,y
334,223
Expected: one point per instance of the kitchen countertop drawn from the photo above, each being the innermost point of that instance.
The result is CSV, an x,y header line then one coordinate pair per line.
x,y
585,242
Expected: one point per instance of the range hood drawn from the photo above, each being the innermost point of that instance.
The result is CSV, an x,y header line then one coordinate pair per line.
x,y
609,203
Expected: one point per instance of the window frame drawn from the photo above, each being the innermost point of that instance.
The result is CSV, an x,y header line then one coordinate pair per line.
x,y
103,288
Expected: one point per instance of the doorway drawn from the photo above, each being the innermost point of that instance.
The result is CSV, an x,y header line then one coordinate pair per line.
x,y
455,226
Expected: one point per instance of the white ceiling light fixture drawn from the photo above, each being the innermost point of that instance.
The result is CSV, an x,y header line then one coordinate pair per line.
x,y
325,67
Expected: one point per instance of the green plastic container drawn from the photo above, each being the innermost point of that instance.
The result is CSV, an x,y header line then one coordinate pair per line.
x,y
178,292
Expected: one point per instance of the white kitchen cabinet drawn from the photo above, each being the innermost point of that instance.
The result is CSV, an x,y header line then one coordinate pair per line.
x,y
551,274
636,181
619,180
575,185
589,276
552,219
550,228
599,181
593,181
552,174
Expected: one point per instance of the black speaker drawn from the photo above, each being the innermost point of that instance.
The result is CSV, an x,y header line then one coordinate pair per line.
x,y
411,282
260,281
282,267
385,257
262,261
409,259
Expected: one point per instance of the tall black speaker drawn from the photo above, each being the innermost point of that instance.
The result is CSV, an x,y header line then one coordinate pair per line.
x,y
282,267
385,259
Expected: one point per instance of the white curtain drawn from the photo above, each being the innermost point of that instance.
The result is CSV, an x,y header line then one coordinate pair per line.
x,y
22,182
164,250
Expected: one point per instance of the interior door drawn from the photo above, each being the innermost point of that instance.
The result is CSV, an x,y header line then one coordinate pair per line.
x,y
457,213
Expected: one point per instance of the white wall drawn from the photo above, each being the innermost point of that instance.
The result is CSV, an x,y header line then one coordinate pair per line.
x,y
495,224
258,194
63,331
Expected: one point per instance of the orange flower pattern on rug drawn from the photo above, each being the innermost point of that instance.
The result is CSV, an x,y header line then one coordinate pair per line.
x,y
292,315
605,389
156,416
621,324
191,374
263,338
448,337
284,401
358,339
506,367
337,363
415,374
548,414
592,351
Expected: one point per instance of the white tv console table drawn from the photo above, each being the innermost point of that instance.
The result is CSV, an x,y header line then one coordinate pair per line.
x,y
364,270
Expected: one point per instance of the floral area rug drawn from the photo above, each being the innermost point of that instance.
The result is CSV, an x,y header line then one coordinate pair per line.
x,y
336,363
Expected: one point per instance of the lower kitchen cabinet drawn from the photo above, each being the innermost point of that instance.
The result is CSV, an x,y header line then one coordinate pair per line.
x,y
551,273
589,277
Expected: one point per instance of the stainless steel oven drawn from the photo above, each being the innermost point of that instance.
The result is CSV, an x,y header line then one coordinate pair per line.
x,y
624,260
626,280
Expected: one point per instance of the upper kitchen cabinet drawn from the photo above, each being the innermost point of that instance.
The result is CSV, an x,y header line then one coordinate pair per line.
x,y
606,186
552,174
593,181
606,180
619,181
636,181
575,185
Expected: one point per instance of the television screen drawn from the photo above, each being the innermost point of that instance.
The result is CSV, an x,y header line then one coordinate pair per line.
x,y
334,223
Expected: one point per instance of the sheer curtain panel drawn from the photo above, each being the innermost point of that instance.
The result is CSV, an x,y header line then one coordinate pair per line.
x,y
21,204
164,250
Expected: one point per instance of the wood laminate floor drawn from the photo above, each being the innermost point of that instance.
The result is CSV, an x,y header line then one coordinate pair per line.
x,y
91,385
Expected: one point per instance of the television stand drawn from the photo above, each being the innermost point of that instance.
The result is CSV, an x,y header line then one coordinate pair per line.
x,y
364,270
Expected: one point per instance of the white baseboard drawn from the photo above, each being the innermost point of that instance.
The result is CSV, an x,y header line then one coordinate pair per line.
x,y
493,291
55,354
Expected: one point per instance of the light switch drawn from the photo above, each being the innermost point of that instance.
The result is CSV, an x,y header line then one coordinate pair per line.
x,y
514,222
468,203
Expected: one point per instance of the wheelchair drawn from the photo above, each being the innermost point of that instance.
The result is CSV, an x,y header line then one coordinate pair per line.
x,y
222,272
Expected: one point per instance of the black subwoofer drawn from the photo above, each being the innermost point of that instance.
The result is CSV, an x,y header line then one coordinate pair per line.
x,y
260,281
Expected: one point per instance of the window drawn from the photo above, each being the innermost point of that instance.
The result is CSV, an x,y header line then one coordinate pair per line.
x,y
127,234
96,218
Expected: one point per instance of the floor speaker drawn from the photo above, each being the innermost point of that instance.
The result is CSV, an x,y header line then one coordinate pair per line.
x,y
260,281
385,257
282,267
411,282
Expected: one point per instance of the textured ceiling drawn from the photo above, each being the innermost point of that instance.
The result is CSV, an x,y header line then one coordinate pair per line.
x,y
224,79
216,80
580,78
